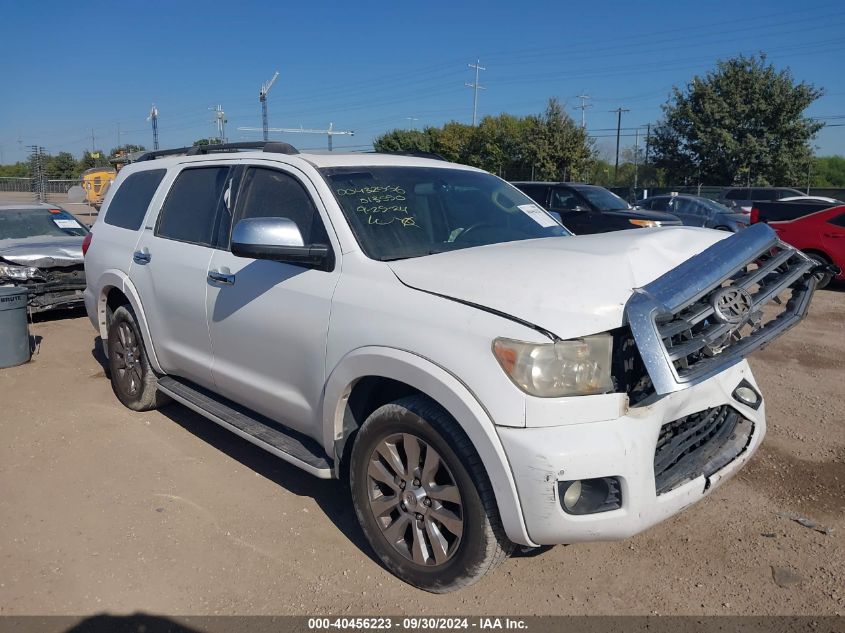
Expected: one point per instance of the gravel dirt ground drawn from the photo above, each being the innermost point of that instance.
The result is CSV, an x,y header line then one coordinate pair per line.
x,y
106,510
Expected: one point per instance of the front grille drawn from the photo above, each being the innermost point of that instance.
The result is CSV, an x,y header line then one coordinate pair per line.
x,y
685,336
697,444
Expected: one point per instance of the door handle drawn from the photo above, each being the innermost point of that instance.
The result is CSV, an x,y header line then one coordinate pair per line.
x,y
225,279
141,257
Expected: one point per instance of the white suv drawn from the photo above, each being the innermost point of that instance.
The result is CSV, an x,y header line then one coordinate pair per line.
x,y
481,377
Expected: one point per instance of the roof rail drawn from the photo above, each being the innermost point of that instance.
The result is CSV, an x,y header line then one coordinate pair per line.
x,y
276,147
415,153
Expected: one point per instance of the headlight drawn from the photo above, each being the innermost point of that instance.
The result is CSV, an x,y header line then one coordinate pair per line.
x,y
578,367
646,222
19,273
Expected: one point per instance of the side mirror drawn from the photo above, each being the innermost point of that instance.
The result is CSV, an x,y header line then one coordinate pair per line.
x,y
276,239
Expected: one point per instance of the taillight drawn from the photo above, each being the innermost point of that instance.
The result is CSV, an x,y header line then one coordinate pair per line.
x,y
86,243
755,215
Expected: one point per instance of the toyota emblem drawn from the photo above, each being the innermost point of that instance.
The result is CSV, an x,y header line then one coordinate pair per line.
x,y
731,305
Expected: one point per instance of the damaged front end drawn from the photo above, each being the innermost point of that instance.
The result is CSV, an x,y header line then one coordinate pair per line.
x,y
59,287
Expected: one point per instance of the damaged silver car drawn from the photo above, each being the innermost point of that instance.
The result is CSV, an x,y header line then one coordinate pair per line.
x,y
41,250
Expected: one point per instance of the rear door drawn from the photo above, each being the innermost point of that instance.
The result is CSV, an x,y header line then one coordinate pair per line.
x,y
269,320
170,264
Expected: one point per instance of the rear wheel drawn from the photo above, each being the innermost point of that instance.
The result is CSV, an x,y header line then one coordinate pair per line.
x,y
132,378
423,498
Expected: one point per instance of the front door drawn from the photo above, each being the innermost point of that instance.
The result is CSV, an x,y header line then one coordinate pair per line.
x,y
269,320
574,211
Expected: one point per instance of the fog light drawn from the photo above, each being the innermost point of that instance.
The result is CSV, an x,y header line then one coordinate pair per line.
x,y
589,496
746,394
572,495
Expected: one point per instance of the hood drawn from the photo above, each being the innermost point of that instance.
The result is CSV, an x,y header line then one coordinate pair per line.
x,y
570,286
43,252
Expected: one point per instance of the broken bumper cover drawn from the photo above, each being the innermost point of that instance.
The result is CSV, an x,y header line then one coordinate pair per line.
x,y
47,296
627,448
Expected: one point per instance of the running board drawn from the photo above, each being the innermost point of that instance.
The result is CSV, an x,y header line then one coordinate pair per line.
x,y
293,447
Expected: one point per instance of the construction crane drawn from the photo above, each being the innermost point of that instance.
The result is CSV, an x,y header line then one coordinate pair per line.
x,y
262,97
330,131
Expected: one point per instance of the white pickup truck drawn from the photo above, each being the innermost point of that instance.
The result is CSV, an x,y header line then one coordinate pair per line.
x,y
423,330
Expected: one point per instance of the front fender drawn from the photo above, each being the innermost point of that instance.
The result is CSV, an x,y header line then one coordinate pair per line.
x,y
446,389
118,279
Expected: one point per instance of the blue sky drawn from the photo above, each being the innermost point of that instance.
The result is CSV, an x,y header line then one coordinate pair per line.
x,y
369,66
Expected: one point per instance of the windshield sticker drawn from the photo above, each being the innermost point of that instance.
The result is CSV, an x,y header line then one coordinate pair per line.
x,y
538,215
67,224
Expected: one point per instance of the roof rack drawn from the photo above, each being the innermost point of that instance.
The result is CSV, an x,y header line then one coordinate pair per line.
x,y
276,147
415,153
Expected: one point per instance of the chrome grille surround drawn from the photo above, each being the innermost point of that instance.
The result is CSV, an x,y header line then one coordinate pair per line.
x,y
682,338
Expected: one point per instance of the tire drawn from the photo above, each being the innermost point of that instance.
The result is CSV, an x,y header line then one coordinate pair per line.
x,y
460,537
133,380
824,280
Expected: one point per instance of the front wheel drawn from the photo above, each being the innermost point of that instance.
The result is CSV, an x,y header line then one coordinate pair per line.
x,y
423,498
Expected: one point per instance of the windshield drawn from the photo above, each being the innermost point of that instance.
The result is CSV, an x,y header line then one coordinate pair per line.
x,y
402,212
602,199
18,224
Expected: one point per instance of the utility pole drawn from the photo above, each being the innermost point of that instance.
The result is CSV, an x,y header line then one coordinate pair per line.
x,y
413,120
220,119
118,134
154,118
647,142
618,112
636,157
262,97
583,107
93,147
475,87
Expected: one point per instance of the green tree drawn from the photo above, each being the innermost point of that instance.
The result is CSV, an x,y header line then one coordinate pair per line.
x,y
62,166
546,146
92,159
742,122
207,141
828,171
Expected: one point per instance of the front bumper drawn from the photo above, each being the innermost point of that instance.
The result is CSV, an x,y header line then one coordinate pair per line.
x,y
624,447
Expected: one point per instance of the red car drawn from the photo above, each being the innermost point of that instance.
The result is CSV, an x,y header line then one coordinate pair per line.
x,y
820,235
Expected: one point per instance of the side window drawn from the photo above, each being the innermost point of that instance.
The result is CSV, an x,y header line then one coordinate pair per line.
x,y
682,205
270,193
130,202
659,204
839,220
536,192
188,214
565,200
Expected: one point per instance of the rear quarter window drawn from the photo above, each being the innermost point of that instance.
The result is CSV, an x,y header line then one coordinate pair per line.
x,y
131,200
839,220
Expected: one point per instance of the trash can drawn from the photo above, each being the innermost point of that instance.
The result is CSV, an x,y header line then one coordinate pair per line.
x,y
14,327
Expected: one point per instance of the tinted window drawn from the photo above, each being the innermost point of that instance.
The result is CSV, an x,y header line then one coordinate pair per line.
x,y
656,204
839,220
565,200
536,192
269,193
737,194
129,204
190,209
685,205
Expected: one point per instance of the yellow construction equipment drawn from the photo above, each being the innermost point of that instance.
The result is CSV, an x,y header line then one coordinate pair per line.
x,y
95,182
